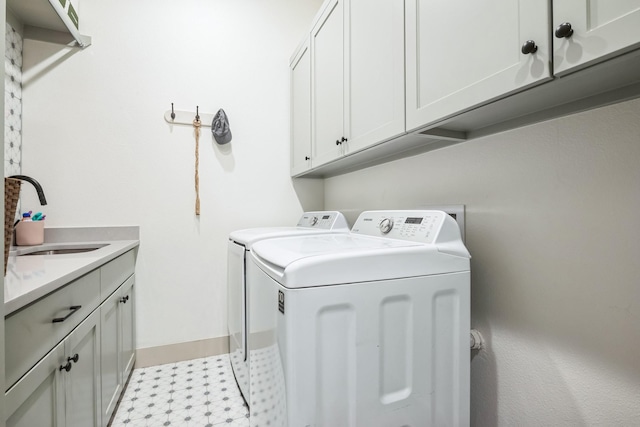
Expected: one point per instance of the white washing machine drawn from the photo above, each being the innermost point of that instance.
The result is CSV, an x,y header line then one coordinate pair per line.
x,y
239,245
367,329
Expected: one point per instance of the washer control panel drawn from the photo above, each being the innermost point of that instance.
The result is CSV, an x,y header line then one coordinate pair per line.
x,y
325,220
418,226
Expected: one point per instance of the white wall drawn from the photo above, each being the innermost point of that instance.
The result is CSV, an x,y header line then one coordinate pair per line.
x,y
552,225
95,138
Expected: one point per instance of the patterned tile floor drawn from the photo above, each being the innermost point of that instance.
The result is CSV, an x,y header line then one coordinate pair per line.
x,y
198,393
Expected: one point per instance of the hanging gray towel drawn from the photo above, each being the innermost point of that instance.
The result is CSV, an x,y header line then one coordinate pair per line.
x,y
220,127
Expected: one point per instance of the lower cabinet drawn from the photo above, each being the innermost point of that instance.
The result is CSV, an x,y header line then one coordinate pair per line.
x,y
117,340
128,350
62,389
31,332
80,379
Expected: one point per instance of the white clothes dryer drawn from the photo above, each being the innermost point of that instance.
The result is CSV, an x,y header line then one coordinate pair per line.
x,y
367,329
239,245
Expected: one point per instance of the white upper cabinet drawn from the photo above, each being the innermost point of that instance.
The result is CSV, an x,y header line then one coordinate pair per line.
x,y
462,54
586,31
357,79
300,77
390,79
327,53
374,72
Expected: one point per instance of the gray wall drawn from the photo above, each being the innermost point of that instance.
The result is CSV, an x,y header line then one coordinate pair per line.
x,y
552,225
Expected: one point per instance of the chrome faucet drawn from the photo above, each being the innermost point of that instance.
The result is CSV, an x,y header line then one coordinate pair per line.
x,y
43,200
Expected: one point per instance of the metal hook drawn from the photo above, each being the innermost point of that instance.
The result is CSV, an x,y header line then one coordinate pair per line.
x,y
173,115
197,114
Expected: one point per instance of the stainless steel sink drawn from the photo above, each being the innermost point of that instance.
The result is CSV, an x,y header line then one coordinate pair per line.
x,y
59,249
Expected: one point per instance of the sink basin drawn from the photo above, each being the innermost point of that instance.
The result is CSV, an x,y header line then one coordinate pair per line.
x,y
59,249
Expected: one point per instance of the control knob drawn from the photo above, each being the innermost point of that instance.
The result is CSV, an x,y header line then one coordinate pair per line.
x,y
386,225
314,220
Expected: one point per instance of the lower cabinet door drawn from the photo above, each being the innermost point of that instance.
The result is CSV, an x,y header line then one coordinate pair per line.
x,y
110,368
38,398
82,381
127,310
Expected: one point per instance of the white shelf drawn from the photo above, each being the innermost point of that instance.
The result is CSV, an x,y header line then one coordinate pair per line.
x,y
50,21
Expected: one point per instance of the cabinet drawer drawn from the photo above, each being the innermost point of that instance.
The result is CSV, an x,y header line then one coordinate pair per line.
x,y
115,273
31,332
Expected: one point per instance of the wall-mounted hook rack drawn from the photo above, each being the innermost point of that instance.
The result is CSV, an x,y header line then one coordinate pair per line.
x,y
187,117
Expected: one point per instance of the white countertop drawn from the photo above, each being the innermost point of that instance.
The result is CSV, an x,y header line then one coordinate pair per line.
x,y
30,277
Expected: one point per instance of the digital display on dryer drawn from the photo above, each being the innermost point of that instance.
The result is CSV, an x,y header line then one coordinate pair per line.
x,y
413,221
326,217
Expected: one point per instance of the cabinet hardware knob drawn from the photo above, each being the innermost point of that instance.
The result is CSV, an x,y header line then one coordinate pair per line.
x,y
529,47
72,309
73,359
564,30
343,139
307,158
338,142
124,299
66,367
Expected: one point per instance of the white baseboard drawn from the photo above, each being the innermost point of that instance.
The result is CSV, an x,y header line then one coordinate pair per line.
x,y
152,356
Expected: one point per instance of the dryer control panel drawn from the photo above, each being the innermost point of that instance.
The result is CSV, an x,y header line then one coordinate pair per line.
x,y
417,226
324,220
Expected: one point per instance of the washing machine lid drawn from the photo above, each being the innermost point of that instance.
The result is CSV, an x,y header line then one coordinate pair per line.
x,y
309,223
251,235
331,259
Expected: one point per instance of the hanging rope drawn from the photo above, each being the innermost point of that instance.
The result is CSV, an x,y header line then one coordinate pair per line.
x,y
196,125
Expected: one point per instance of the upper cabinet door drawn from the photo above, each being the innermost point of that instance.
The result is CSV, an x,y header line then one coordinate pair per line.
x,y
374,71
300,76
462,54
590,30
327,64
